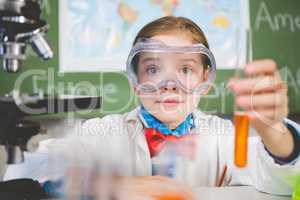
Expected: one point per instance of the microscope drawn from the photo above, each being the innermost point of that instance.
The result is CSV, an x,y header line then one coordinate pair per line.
x,y
21,25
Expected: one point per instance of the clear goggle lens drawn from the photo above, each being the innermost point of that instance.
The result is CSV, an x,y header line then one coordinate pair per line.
x,y
152,67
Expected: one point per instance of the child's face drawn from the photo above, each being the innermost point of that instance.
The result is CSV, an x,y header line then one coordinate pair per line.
x,y
171,104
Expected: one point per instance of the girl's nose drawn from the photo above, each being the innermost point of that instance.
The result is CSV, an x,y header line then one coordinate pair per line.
x,y
170,86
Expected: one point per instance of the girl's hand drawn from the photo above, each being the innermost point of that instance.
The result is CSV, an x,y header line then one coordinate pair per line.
x,y
263,95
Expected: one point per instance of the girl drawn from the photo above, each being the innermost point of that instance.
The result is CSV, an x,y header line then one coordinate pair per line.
x,y
170,67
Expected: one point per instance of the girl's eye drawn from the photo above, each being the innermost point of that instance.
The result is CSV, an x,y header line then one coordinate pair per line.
x,y
151,70
186,70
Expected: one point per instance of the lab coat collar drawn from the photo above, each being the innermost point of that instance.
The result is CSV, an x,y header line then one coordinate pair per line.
x,y
133,116
135,121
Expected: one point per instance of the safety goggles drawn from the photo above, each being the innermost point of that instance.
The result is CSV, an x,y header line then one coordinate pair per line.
x,y
152,66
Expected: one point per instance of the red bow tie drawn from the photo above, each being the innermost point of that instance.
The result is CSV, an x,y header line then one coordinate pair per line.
x,y
156,141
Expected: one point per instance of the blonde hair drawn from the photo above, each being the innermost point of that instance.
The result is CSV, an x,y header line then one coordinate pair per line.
x,y
171,24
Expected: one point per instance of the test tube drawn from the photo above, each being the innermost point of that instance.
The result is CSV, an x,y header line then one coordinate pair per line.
x,y
241,120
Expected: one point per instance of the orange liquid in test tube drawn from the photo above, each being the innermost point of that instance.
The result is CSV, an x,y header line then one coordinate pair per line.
x,y
170,197
241,122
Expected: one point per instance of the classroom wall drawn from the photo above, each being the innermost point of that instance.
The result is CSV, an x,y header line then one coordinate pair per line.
x,y
276,28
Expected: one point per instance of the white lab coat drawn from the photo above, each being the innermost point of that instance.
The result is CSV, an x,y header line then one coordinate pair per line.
x,y
120,138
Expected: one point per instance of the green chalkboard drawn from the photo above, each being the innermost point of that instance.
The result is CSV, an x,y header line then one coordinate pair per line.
x,y
276,28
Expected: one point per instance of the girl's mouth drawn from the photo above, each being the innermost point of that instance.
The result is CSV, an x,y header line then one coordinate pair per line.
x,y
169,102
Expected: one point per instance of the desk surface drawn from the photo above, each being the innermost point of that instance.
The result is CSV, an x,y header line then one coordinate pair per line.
x,y
235,193
232,193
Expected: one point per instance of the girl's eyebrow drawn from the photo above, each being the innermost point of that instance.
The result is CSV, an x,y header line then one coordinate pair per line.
x,y
148,59
189,60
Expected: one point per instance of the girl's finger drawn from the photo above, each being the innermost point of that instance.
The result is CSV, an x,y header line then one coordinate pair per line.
x,y
257,85
264,100
261,67
267,116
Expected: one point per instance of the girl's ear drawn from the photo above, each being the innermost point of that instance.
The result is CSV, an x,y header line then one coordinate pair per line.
x,y
205,78
205,75
135,90
206,91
